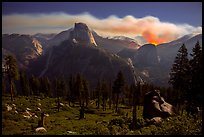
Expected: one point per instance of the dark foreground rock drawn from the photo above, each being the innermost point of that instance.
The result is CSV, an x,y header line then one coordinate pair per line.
x,y
156,106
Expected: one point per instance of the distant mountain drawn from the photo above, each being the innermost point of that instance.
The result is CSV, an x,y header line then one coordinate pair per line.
x,y
146,56
168,51
112,44
92,62
79,54
155,62
24,47
44,36
81,49
115,44
81,35
57,39
146,60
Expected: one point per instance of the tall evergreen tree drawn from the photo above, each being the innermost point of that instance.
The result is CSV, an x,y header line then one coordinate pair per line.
x,y
71,95
118,87
11,70
24,84
110,95
48,87
195,93
136,95
86,91
60,89
104,92
179,75
34,83
98,93
79,89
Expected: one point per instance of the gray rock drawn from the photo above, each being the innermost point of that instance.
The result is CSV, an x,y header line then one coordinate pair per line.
x,y
156,106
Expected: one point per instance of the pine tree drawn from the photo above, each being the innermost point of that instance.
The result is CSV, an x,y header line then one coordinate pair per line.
x,y
110,95
86,91
179,75
98,93
79,89
11,70
71,95
60,90
35,85
48,87
195,93
136,94
24,84
118,87
104,92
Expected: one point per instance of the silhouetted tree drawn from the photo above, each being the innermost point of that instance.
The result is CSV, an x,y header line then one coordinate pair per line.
x,y
98,93
118,87
86,91
60,88
79,89
34,83
179,75
104,92
11,70
196,88
136,94
71,95
110,95
24,83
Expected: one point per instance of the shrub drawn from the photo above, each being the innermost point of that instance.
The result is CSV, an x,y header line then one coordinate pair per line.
x,y
121,112
117,122
102,130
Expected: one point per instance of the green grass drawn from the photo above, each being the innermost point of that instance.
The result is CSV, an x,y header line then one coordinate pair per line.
x,y
100,122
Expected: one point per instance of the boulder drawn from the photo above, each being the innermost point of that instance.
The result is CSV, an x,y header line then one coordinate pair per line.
x,y
40,130
155,120
156,106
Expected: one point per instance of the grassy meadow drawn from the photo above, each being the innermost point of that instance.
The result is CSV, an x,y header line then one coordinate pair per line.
x,y
96,121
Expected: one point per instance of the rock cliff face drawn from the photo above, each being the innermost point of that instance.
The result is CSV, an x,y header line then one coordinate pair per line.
x,y
147,56
92,62
24,48
37,46
82,35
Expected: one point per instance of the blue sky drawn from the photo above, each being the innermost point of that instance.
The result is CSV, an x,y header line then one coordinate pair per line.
x,y
161,21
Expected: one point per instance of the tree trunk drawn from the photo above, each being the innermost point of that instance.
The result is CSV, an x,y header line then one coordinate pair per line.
x,y
69,103
80,102
82,111
11,87
58,103
134,113
87,102
98,102
105,105
129,100
41,121
110,102
116,107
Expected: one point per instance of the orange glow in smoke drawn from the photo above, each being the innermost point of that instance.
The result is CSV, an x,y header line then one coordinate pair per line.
x,y
152,38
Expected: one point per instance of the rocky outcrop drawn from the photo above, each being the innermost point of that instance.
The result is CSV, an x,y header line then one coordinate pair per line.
x,y
146,56
155,106
24,48
92,62
82,35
